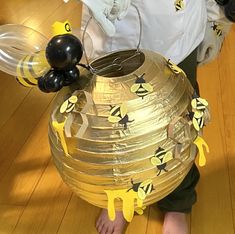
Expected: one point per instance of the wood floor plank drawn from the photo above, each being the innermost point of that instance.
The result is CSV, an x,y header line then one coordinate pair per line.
x,y
20,11
80,217
230,152
11,96
71,12
9,216
139,223
16,131
155,221
214,182
227,82
226,63
18,183
47,205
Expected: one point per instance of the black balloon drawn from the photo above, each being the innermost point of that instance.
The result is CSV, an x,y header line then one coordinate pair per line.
x,y
41,85
63,52
51,82
71,76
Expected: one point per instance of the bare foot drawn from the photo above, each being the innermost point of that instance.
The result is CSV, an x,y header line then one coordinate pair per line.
x,y
105,226
175,223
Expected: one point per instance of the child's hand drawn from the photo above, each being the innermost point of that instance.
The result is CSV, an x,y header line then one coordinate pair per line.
x,y
107,11
211,45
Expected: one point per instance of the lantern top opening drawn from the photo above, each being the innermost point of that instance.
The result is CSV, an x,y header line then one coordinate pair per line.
x,y
118,64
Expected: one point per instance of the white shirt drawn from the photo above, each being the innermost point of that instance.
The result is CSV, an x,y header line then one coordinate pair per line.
x,y
170,32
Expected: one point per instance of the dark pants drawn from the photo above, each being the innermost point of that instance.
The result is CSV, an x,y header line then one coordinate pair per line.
x,y
184,196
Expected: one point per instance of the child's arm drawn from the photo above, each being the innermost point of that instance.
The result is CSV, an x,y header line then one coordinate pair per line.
x,y
107,11
217,27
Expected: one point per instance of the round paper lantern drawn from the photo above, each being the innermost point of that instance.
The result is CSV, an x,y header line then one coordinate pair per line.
x,y
126,135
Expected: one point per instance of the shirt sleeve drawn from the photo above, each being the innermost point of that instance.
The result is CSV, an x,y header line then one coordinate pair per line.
x,y
216,15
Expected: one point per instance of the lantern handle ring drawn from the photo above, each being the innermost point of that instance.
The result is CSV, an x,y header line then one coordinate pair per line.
x,y
114,63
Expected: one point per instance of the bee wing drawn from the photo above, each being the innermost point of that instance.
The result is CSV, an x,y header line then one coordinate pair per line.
x,y
195,124
123,110
70,107
199,103
194,103
134,88
146,182
156,161
168,156
148,87
203,101
64,106
113,119
198,114
141,194
176,69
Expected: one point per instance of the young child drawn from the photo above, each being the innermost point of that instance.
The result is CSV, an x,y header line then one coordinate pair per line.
x,y
186,31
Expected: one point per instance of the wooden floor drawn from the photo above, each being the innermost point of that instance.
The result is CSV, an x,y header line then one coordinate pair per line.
x,y
33,199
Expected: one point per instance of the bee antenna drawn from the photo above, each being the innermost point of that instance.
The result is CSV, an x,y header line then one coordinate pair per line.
x,y
159,172
195,95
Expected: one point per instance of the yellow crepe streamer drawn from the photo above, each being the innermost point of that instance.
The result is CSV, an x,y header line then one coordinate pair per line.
x,y
200,142
128,199
60,28
59,128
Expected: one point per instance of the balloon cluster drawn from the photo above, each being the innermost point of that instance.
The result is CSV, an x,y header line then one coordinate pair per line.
x,y
63,53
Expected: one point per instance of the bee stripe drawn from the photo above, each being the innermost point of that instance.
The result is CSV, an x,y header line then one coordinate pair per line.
x,y
200,122
23,82
116,112
201,108
148,188
161,153
178,7
30,65
199,103
144,92
202,102
70,107
23,66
